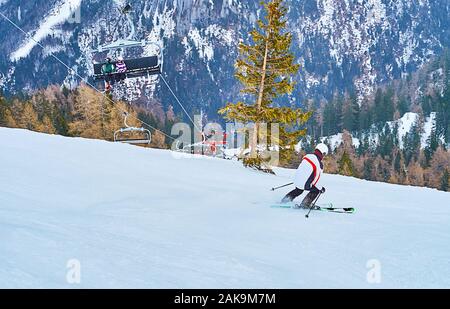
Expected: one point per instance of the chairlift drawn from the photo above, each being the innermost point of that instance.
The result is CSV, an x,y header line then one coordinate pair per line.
x,y
136,67
126,9
126,135
205,147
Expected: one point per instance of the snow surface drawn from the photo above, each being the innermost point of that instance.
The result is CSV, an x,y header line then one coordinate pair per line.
x,y
137,217
405,125
336,140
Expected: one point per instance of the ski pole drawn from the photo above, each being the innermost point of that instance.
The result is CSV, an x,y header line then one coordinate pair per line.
x,y
276,188
313,205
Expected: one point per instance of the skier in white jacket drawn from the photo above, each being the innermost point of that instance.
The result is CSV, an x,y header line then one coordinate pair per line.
x,y
307,177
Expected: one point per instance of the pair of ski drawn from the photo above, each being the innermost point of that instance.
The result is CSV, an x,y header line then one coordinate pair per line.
x,y
324,208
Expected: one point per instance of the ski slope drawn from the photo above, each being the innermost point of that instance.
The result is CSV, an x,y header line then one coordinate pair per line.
x,y
142,218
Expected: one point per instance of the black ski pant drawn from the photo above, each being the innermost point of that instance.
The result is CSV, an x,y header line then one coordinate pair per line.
x,y
309,198
120,77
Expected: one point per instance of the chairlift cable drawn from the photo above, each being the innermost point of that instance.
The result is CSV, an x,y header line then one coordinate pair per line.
x,y
82,78
119,19
179,103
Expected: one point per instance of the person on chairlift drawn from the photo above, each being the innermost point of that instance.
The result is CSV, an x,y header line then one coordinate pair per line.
x,y
121,69
108,68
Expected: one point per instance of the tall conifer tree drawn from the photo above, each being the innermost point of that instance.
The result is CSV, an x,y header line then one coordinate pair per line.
x,y
265,69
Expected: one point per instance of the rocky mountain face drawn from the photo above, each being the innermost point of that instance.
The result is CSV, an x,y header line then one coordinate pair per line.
x,y
342,45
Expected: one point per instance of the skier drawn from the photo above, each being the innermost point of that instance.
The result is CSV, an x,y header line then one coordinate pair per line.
x,y
307,177
209,140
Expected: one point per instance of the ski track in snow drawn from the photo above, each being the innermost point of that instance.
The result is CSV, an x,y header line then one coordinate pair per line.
x,y
138,217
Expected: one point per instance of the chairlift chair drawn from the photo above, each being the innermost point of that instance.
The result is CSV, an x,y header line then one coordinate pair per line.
x,y
136,67
120,136
126,9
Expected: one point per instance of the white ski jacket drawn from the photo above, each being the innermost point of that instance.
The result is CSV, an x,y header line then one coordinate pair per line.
x,y
308,173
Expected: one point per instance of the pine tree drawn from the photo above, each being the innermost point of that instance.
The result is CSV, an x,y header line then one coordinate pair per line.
x,y
368,169
345,165
348,114
378,106
6,116
65,91
445,180
443,103
432,145
386,142
3,108
426,105
398,162
47,126
363,146
411,144
356,109
329,120
366,115
402,105
338,111
87,114
388,104
29,118
60,124
438,164
265,70
313,123
9,119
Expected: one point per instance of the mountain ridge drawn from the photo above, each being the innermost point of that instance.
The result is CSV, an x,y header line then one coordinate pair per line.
x,y
341,46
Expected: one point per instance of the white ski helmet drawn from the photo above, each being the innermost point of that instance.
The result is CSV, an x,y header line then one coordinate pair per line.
x,y
120,58
322,148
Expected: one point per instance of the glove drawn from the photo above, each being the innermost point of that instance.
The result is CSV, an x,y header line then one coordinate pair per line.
x,y
323,190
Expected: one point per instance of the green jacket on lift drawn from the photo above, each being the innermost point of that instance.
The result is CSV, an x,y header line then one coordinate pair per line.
x,y
108,68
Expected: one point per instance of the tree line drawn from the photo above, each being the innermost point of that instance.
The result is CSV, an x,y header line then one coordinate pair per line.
x,y
81,112
389,159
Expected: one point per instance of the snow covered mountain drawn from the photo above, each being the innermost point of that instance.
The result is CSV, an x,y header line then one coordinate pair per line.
x,y
340,44
402,127
128,217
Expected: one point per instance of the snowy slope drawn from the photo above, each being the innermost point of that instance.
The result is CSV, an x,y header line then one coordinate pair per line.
x,y
141,218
